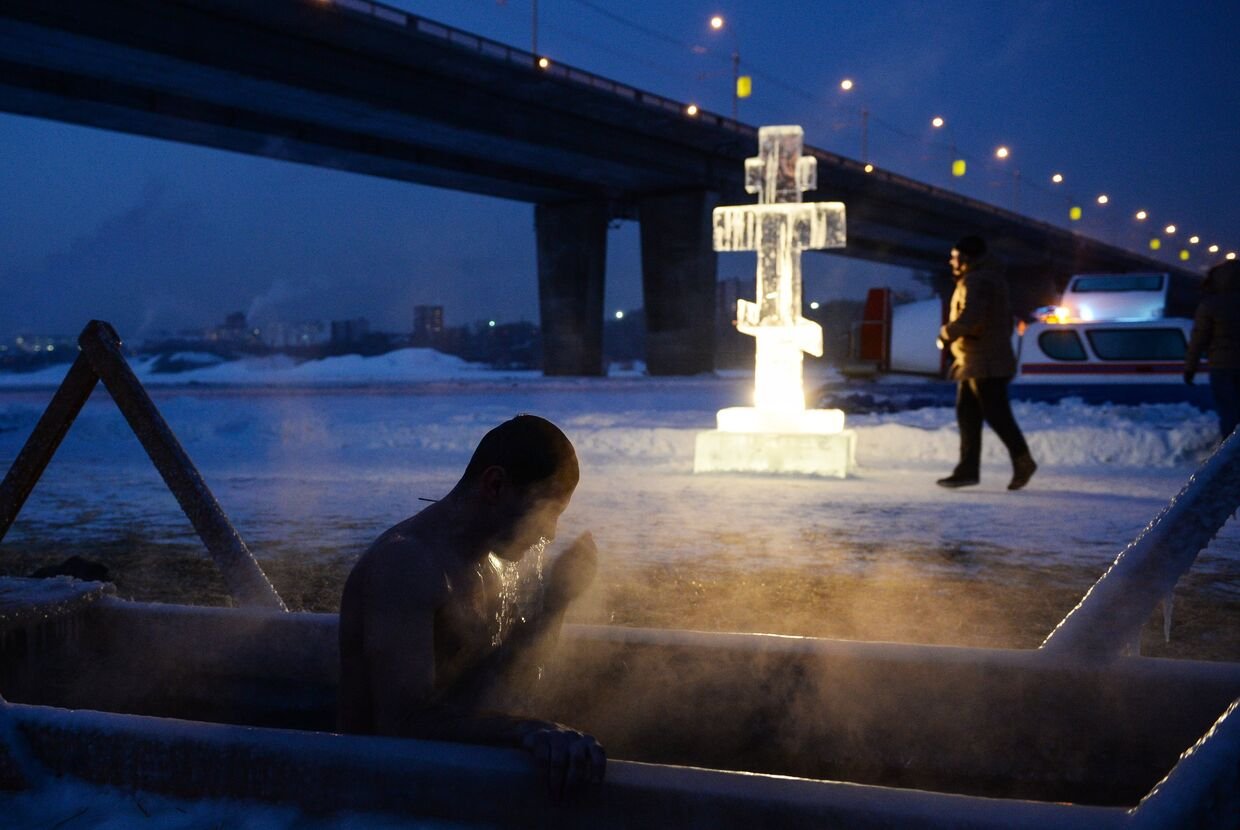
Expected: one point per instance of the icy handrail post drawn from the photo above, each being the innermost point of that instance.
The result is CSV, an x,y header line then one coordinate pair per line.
x,y
34,457
1202,789
245,579
1113,611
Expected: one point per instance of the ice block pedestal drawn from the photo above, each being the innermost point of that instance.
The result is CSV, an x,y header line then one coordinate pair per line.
x,y
748,440
778,434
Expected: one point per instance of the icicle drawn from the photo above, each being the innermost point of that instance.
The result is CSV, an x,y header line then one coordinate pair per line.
x,y
1167,603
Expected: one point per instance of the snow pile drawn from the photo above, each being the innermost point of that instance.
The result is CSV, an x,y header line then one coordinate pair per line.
x,y
421,404
1069,433
185,368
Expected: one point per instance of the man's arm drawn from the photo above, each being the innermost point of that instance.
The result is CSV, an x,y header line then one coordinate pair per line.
x,y
400,653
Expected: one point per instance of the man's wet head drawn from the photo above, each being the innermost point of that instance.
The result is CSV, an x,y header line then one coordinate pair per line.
x,y
522,475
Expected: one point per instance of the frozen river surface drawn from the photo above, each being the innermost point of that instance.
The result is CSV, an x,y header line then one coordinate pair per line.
x,y
315,474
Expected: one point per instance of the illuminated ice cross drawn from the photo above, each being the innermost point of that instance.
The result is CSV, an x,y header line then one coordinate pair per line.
x,y
779,228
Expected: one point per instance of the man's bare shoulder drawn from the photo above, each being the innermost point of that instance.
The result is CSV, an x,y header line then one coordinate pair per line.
x,y
402,564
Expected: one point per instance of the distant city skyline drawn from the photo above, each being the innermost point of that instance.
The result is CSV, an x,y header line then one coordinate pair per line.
x,y
1139,104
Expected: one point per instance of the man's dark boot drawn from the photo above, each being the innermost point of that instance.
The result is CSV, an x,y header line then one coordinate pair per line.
x,y
1023,468
957,480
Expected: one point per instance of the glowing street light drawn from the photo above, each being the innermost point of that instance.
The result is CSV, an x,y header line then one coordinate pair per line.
x,y
1057,178
691,110
619,315
544,63
846,84
1193,240
1002,152
869,168
1142,216
741,86
1169,230
1231,255
1103,198
814,305
937,122
1213,249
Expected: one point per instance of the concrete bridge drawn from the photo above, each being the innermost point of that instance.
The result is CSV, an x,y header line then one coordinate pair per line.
x,y
359,86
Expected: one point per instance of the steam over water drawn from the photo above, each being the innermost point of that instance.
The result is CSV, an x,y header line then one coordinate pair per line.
x,y
311,477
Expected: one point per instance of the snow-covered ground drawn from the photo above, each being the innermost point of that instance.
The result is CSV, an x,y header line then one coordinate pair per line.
x,y
185,368
318,464
322,467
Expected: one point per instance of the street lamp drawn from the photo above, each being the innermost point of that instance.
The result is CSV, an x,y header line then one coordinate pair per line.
x,y
1169,230
1057,178
1103,198
847,85
718,24
1142,215
1002,153
958,164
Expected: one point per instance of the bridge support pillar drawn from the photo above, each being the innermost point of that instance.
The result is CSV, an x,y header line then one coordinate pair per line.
x,y
678,282
572,255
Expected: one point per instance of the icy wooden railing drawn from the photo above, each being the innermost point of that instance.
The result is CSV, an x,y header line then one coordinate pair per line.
x,y
101,359
1111,614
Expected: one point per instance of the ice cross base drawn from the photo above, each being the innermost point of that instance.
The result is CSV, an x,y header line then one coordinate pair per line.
x,y
830,455
778,434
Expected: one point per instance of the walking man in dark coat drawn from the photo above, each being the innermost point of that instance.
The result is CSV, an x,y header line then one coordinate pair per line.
x,y
1216,332
979,332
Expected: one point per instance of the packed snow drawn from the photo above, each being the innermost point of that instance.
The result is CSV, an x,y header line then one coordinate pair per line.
x,y
190,368
316,459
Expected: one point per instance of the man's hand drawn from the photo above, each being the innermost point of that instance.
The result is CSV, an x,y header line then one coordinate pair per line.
x,y
1189,374
570,760
572,573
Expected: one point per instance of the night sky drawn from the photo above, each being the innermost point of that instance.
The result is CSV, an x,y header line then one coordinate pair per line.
x,y
1137,100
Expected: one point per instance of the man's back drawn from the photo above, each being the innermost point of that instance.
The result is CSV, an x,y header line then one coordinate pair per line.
x,y
1216,325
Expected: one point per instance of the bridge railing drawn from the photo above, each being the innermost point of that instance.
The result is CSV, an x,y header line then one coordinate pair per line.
x,y
528,60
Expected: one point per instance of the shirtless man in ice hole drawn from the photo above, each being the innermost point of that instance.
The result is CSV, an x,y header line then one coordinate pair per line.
x,y
420,611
